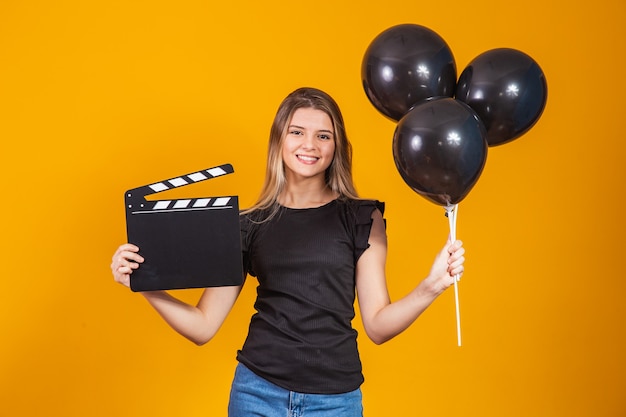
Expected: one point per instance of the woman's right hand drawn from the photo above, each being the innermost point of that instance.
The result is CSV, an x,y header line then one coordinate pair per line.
x,y
125,259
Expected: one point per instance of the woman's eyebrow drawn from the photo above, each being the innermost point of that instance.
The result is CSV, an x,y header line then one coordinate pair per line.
x,y
304,128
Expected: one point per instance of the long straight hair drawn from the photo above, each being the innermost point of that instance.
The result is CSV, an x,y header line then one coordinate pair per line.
x,y
338,175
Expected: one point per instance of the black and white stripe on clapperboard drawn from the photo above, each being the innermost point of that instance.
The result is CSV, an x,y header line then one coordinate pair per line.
x,y
186,243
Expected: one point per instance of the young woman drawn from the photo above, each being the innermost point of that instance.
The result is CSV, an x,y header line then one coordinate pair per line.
x,y
312,243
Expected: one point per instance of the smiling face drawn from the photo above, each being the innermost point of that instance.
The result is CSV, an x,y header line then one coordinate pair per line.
x,y
309,145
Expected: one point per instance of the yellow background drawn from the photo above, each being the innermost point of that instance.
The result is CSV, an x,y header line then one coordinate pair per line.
x,y
100,96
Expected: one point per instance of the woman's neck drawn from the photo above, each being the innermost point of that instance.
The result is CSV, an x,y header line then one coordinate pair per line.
x,y
306,196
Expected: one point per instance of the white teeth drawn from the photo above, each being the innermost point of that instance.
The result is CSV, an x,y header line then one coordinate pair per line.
x,y
307,158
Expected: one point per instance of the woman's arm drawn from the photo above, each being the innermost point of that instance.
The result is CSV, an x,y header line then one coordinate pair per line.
x,y
197,323
383,319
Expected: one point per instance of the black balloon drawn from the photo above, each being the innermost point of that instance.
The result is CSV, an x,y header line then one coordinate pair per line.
x,y
508,91
404,65
440,150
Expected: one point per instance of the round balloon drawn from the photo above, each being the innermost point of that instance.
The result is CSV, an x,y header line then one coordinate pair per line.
x,y
508,91
440,150
404,65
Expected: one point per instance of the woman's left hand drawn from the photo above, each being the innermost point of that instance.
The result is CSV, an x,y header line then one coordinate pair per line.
x,y
449,263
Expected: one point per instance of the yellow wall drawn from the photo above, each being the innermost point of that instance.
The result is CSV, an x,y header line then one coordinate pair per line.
x,y
100,96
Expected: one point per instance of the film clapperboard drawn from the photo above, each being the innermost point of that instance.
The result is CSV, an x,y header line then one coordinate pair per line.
x,y
186,243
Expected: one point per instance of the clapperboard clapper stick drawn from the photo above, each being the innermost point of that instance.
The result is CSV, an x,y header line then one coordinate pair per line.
x,y
186,243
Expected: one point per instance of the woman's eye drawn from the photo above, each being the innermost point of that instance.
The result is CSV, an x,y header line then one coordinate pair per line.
x,y
295,132
325,137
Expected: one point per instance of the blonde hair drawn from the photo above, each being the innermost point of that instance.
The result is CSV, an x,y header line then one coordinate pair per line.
x,y
338,175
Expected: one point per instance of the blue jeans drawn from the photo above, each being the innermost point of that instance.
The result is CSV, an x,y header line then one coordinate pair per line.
x,y
252,395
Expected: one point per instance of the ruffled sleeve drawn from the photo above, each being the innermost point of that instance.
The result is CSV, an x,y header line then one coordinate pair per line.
x,y
364,222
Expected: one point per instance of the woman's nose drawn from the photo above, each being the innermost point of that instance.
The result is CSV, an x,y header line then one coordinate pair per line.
x,y
308,142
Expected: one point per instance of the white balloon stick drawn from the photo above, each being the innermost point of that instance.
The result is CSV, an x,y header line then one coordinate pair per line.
x,y
451,213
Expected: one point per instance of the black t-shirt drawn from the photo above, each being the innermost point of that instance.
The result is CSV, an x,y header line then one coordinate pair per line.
x,y
301,337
